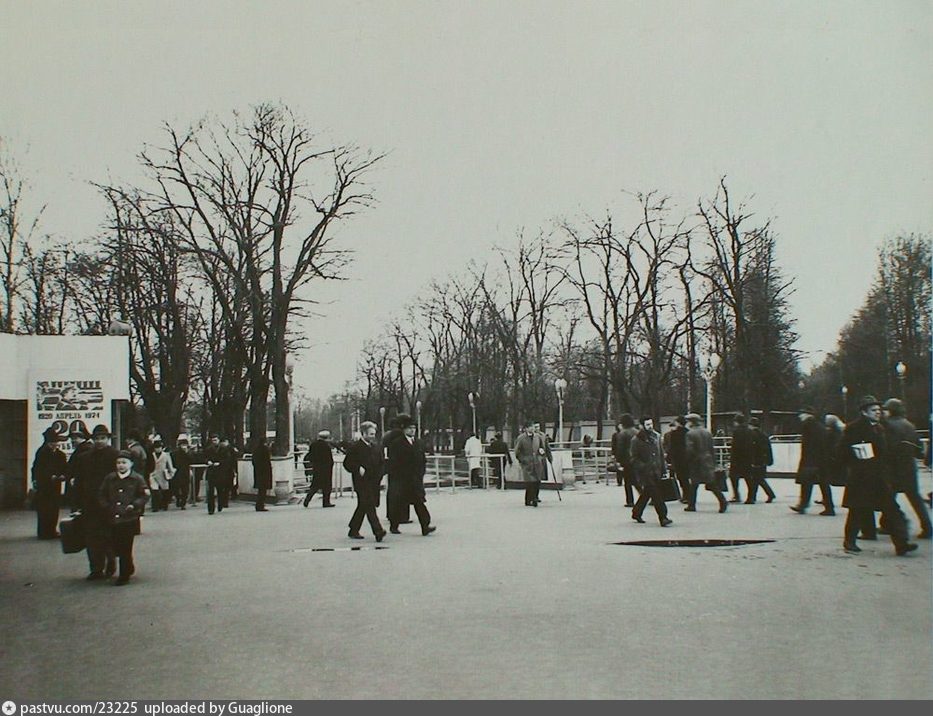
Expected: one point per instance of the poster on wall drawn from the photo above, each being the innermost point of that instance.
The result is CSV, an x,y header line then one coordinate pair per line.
x,y
65,403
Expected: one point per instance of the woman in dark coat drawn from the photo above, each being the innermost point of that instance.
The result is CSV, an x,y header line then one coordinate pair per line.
x,y
903,450
864,452
49,470
262,472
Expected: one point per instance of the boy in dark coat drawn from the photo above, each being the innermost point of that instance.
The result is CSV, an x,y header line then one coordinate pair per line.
x,y
123,497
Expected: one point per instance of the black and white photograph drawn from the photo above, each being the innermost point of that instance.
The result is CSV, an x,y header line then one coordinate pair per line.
x,y
420,350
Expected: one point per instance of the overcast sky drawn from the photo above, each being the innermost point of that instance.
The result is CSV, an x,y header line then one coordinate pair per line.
x,y
504,115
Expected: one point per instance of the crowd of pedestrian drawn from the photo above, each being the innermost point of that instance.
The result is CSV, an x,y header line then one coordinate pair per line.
x,y
874,457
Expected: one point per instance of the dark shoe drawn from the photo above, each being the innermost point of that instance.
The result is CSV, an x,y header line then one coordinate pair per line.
x,y
428,530
210,512
723,506
380,536
666,521
329,504
883,531
355,535
853,548
639,520
394,530
798,509
828,513
769,500
534,503
629,504
690,508
405,522
220,509
261,509
94,576
924,535
121,581
906,548
749,502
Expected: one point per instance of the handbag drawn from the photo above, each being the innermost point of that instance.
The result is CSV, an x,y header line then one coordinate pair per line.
x,y
72,534
670,490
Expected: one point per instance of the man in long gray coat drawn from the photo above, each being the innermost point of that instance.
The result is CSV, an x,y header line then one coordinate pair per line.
x,y
532,452
701,463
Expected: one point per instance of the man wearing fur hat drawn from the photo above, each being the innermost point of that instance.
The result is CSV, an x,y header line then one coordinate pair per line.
x,y
904,450
864,453
93,468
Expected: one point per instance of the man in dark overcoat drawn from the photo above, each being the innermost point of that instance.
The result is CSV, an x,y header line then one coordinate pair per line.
x,y
321,457
49,469
500,450
864,453
397,510
364,462
91,471
904,450
218,484
648,463
676,455
813,468
621,442
262,472
740,456
532,453
81,444
701,463
761,455
181,480
407,461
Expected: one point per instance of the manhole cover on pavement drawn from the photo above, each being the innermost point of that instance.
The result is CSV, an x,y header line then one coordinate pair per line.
x,y
335,549
693,542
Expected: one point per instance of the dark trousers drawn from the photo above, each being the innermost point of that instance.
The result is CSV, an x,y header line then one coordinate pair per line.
x,y
180,490
498,470
365,507
417,502
651,491
806,490
734,482
891,517
711,487
757,478
531,492
628,479
218,493
122,536
476,479
261,498
397,507
683,479
100,554
324,490
47,512
161,499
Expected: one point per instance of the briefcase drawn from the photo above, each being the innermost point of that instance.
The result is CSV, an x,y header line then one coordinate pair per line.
x,y
719,481
670,490
72,533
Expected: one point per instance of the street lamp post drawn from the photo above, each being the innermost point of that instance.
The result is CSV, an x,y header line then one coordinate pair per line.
x,y
289,397
472,398
560,385
845,402
382,421
709,367
901,370
418,416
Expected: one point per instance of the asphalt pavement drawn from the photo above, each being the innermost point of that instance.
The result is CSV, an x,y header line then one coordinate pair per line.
x,y
503,601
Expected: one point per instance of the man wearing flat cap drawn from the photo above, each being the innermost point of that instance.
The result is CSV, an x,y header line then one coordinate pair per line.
x,y
814,466
406,461
48,473
320,459
93,468
701,463
863,452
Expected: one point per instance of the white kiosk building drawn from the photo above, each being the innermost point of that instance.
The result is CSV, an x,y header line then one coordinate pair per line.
x,y
55,381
